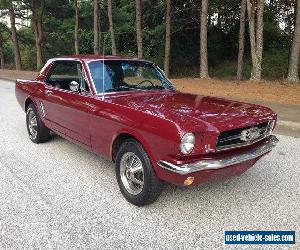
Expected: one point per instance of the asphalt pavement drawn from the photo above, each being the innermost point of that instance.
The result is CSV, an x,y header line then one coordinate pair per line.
x,y
57,195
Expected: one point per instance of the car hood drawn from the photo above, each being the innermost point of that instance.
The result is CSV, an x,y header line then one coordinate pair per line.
x,y
195,111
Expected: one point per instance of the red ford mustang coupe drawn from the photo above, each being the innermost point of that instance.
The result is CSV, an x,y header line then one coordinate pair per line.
x,y
126,110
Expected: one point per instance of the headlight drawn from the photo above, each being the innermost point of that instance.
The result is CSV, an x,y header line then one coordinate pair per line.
x,y
187,143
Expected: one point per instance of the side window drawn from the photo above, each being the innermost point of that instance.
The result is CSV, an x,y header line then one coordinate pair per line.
x,y
64,72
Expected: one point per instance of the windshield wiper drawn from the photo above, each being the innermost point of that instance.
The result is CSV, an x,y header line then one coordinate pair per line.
x,y
120,88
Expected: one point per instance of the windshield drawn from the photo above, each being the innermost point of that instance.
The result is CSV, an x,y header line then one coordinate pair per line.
x,y
113,76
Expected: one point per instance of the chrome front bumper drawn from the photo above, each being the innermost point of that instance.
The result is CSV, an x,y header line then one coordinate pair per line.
x,y
221,163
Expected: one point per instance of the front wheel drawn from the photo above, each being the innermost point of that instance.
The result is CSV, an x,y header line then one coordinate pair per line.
x,y
135,175
37,131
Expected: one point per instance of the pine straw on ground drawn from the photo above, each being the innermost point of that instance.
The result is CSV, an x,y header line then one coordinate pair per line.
x,y
266,91
16,74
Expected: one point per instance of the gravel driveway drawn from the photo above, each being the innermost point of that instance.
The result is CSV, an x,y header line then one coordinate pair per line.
x,y
58,195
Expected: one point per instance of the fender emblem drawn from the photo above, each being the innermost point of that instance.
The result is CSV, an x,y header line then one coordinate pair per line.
x,y
42,109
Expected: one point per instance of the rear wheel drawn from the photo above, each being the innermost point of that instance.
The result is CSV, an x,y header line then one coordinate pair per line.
x,y
135,175
37,131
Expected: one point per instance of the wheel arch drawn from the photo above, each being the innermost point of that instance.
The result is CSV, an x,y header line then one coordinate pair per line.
x,y
125,135
28,101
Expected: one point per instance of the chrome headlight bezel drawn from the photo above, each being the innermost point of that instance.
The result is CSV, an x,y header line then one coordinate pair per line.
x,y
270,127
187,143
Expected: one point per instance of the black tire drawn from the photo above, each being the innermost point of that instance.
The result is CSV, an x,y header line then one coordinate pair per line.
x,y
152,186
42,132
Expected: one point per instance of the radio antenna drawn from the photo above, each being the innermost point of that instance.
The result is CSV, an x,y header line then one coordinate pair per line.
x,y
103,65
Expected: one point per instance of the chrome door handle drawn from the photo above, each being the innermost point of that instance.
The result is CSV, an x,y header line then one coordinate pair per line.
x,y
48,92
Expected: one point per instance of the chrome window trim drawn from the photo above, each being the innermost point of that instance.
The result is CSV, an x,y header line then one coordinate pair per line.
x,y
54,60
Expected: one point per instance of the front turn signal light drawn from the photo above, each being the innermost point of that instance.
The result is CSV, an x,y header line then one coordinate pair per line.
x,y
189,181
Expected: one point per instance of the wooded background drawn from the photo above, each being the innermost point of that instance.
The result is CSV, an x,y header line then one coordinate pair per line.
x,y
243,39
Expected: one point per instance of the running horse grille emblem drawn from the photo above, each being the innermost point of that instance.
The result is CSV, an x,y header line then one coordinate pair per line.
x,y
250,134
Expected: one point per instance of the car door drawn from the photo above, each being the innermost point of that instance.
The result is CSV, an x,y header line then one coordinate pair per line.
x,y
68,111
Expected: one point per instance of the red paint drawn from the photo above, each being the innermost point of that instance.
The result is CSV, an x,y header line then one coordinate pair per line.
x,y
158,119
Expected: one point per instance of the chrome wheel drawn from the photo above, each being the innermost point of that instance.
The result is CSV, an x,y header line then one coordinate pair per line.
x,y
132,173
32,124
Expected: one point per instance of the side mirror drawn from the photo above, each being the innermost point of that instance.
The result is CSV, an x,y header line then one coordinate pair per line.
x,y
74,86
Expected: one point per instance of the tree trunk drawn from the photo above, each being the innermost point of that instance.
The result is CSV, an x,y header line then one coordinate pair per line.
x,y
168,38
76,39
219,20
96,28
1,57
256,26
251,17
14,37
260,36
38,31
293,74
203,40
38,8
111,28
241,41
139,38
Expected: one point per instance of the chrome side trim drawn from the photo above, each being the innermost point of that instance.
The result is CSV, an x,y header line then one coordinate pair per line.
x,y
220,163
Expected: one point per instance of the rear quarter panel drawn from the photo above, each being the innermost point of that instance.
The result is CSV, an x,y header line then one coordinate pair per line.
x,y
21,93
25,89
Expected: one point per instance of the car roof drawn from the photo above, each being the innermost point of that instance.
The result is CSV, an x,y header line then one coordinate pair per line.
x,y
90,58
96,57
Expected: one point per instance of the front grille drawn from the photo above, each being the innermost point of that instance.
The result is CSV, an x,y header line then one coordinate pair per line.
x,y
244,136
